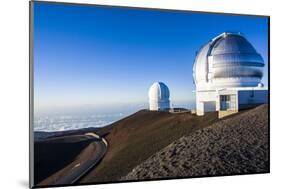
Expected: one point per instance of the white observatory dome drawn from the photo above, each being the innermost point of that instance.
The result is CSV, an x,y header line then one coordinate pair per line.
x,y
159,95
228,60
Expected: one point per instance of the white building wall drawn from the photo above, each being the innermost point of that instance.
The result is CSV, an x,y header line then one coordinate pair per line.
x,y
205,101
240,97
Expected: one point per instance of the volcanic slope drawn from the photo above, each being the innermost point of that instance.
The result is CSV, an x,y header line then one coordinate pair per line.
x,y
237,145
137,137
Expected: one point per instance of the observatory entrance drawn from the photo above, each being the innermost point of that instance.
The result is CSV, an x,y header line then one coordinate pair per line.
x,y
227,102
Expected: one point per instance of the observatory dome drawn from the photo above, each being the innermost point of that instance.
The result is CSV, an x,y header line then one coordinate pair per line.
x,y
228,60
159,95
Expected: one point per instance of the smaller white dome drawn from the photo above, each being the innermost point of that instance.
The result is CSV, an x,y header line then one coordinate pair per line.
x,y
159,90
159,95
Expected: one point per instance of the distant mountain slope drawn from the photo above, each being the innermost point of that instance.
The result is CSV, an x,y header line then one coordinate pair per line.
x,y
236,145
134,139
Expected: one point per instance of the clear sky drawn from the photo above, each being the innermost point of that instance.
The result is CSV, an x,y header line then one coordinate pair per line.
x,y
86,55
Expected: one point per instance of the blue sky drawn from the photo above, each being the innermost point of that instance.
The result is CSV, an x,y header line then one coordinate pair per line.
x,y
86,55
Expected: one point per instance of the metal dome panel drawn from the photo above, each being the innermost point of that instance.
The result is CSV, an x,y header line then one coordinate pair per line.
x,y
232,43
200,67
228,57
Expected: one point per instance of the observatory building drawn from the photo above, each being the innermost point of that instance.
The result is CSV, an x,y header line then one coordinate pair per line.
x,y
159,95
227,73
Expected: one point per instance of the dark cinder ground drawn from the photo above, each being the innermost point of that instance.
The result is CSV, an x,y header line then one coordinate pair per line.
x,y
135,138
237,145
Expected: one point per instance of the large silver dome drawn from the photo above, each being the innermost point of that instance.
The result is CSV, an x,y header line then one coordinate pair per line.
x,y
228,60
